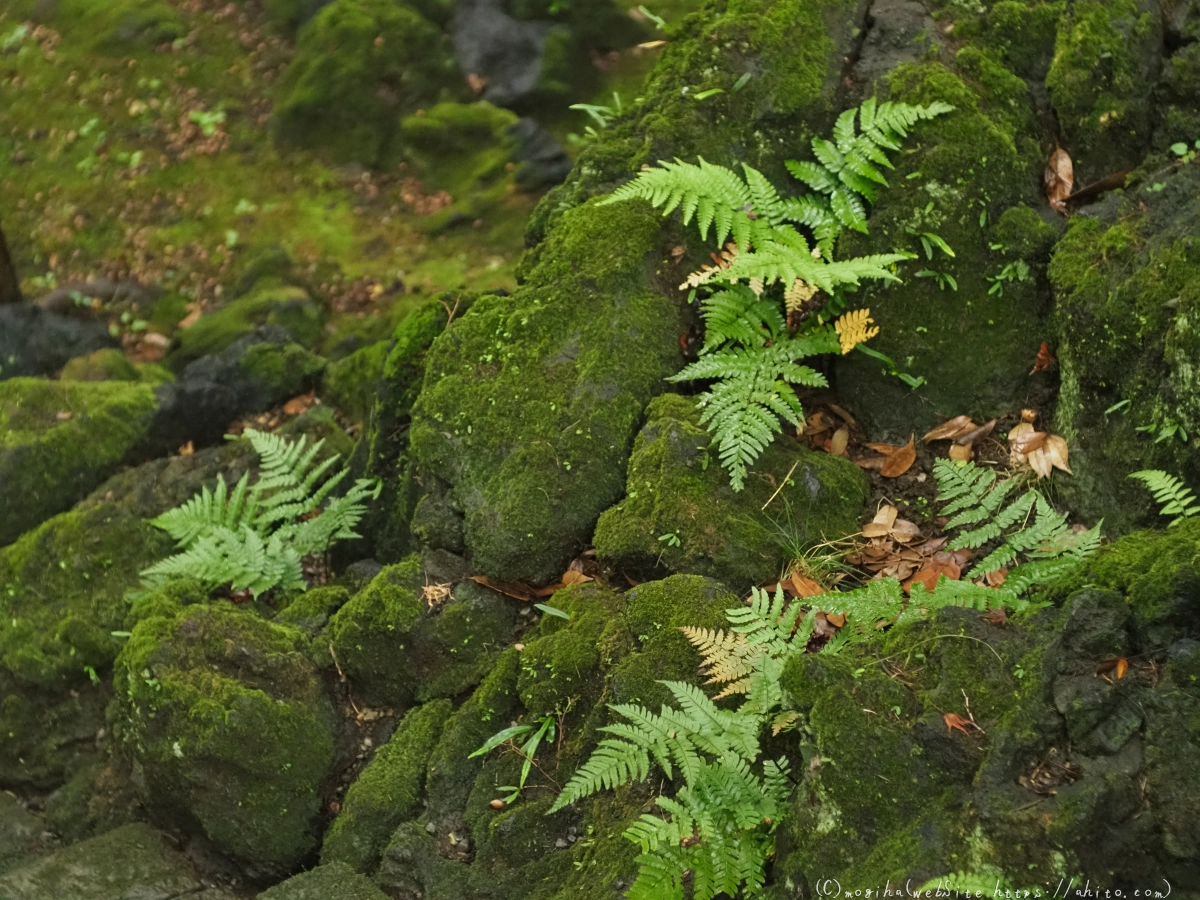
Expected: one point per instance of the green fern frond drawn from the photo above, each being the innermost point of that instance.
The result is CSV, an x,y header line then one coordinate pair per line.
x,y
737,315
1170,493
254,538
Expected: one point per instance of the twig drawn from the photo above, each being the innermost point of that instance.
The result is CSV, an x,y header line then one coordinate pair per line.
x,y
781,485
450,312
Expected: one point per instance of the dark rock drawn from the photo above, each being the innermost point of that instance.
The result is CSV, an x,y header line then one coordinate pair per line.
x,y
62,300
35,342
23,835
543,160
327,882
491,44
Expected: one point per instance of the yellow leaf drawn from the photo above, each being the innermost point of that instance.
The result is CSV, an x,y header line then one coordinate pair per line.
x,y
855,328
799,293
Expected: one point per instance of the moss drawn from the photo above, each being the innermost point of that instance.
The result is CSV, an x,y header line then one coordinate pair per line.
x,y
451,772
1127,291
312,609
398,650
229,723
973,344
269,302
1025,234
132,24
459,147
108,364
1024,34
286,370
349,383
529,402
655,611
518,856
359,66
165,600
387,792
328,880
1104,70
677,487
387,441
59,440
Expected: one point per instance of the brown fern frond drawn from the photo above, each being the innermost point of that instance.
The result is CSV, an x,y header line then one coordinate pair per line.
x,y
741,686
797,294
726,656
705,273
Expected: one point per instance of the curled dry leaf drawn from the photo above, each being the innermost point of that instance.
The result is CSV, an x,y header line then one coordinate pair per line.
x,y
900,461
951,429
1056,451
968,438
954,720
996,577
1044,360
1026,441
961,452
804,587
1059,179
885,449
836,619
837,443
514,589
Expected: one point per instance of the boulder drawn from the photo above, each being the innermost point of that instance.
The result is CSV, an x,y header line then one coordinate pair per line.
x,y
1127,293
324,883
680,514
36,342
359,66
23,836
59,440
131,861
397,647
229,729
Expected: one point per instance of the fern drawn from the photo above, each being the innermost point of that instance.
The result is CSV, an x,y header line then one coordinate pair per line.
x,y
1027,527
1171,494
255,537
776,240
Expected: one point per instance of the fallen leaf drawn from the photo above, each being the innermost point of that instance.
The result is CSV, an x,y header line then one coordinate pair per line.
x,y
886,515
871,462
954,720
187,449
885,449
968,438
1028,415
843,415
961,452
904,531
950,429
837,443
996,577
1122,667
929,575
1056,451
1118,664
1040,463
996,615
836,619
1044,360
822,627
1026,441
1059,179
299,404
805,587
514,589
900,461
574,576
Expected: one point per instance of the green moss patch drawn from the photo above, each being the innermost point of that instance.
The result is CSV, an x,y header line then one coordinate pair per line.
x,y
679,512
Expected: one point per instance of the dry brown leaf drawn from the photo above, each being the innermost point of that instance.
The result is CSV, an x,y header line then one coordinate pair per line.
x,y
836,619
954,720
514,589
1027,441
886,515
1045,360
996,615
968,438
871,462
1122,667
951,429
817,423
1118,664
804,587
905,531
1028,415
837,443
876,529
885,449
1056,451
961,452
187,449
574,576
1040,463
900,461
929,575
996,577
1059,179
300,404
843,415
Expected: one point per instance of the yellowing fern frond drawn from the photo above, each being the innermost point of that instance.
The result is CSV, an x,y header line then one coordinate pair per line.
x,y
797,294
726,657
706,273
855,328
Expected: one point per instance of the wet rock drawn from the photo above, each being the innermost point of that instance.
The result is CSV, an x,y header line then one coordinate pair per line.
x,y
492,45
324,883
23,835
543,161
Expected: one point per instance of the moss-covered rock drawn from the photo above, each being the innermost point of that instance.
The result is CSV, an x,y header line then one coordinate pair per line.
x,y
111,364
387,792
22,834
59,440
402,375
1127,292
323,882
359,66
959,174
312,609
530,402
132,24
62,594
229,728
680,513
1107,59
397,648
349,383
1069,773
269,302
132,861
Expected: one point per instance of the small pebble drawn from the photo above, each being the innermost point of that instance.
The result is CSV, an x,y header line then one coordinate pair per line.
x,y
430,828
518,647
561,844
497,804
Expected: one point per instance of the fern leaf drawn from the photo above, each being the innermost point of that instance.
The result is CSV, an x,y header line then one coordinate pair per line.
x,y
1170,493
